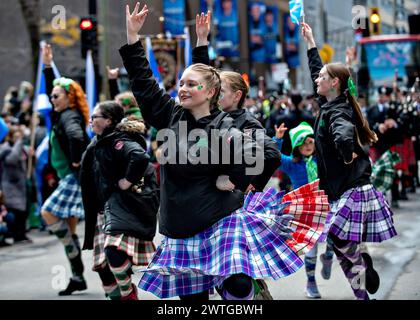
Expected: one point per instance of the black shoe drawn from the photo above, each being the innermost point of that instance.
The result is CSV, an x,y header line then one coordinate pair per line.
x,y
22,240
372,277
73,286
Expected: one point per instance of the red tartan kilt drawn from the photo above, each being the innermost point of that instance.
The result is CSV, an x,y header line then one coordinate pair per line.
x,y
406,153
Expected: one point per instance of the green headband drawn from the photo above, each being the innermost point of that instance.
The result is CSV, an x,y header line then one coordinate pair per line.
x,y
64,83
352,87
126,102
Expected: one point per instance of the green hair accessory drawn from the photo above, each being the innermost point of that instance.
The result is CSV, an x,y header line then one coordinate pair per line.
x,y
352,87
126,102
64,83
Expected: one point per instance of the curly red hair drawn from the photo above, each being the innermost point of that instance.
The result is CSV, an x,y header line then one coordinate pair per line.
x,y
77,100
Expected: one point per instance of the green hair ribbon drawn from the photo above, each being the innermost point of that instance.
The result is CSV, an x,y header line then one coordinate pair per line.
x,y
63,82
126,102
352,87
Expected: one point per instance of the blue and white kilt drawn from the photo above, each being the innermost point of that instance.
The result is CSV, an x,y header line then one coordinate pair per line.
x,y
362,214
66,200
263,239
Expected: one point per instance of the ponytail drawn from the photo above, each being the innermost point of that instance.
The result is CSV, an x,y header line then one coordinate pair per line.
x,y
364,134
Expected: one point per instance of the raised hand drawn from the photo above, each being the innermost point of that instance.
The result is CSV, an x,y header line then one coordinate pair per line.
x,y
135,21
307,35
202,28
47,55
112,73
280,131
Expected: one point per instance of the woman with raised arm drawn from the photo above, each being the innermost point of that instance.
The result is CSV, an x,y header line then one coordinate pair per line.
x,y
68,140
360,213
209,239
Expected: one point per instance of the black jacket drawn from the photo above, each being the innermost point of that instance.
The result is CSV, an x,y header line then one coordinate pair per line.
x,y
69,127
70,130
190,200
335,139
244,120
116,154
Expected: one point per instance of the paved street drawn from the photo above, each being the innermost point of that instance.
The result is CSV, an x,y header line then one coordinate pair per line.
x,y
30,271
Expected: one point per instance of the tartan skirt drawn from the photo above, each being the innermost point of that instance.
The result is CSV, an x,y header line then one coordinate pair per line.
x,y
66,200
362,214
265,238
139,251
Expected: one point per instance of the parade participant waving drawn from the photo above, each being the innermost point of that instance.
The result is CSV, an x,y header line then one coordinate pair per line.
x,y
68,140
209,242
125,220
342,135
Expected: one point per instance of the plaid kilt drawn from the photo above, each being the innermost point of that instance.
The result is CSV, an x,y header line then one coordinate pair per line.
x,y
362,214
406,153
66,200
383,171
264,238
139,251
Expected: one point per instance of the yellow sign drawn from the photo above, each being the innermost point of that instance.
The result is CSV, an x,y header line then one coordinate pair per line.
x,y
326,53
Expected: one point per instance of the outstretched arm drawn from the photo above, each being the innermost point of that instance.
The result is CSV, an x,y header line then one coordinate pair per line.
x,y
200,53
156,106
47,59
314,60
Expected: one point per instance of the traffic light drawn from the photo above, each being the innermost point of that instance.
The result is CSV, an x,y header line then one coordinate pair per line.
x,y
88,35
375,21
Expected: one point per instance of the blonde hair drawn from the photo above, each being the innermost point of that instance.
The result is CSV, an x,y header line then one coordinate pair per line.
x,y
212,78
127,99
364,134
236,82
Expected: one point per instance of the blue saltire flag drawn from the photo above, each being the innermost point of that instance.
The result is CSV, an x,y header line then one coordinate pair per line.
x,y
41,161
296,10
187,49
153,63
90,82
4,129
90,87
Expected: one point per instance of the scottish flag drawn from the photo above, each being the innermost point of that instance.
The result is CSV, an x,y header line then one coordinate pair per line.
x,y
90,82
153,63
296,10
187,49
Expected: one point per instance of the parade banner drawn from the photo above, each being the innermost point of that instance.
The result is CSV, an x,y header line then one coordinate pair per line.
x,y
291,42
256,10
174,14
227,25
271,34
